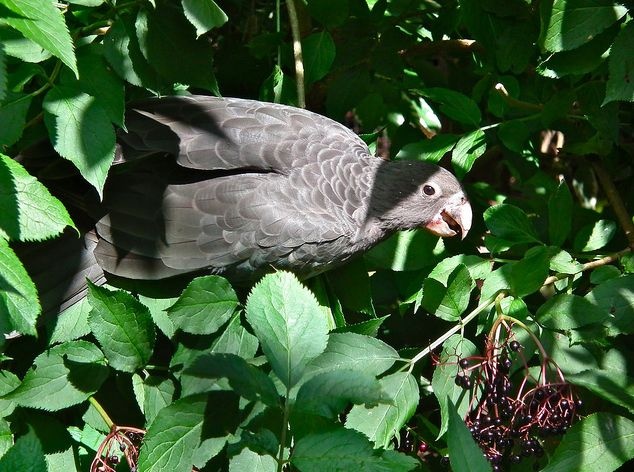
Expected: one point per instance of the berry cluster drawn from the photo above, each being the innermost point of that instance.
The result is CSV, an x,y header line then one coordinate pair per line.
x,y
121,442
509,419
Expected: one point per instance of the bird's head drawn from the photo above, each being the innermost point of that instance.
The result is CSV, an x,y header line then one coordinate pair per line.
x,y
412,194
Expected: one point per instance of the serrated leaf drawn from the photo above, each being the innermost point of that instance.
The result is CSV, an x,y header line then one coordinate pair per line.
x,y
289,323
8,383
343,449
26,455
381,423
123,326
478,267
569,24
601,441
464,453
174,436
456,298
559,214
6,437
65,375
455,105
19,305
205,15
430,150
28,212
205,305
329,393
81,132
356,352
467,150
620,85
510,223
319,54
44,24
351,284
245,379
594,236
568,311
613,385
71,324
443,379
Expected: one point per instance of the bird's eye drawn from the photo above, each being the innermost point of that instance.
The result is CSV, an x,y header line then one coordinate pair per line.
x,y
429,190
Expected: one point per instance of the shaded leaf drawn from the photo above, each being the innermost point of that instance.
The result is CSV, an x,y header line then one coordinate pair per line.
x,y
620,85
467,150
464,453
319,53
289,323
567,311
205,15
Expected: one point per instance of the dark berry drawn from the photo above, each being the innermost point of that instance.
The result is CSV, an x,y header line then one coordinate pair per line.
x,y
515,346
464,363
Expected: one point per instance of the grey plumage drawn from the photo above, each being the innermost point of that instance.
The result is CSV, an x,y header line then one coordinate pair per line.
x,y
237,187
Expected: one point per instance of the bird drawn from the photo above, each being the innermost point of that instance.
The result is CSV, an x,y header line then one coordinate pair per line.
x,y
239,187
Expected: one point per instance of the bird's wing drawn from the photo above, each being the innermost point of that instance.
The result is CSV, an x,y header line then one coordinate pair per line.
x,y
251,221
211,133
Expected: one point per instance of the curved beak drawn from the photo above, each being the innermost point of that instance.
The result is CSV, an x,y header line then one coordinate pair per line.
x,y
454,218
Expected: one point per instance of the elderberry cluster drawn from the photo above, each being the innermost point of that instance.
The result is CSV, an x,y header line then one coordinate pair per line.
x,y
509,420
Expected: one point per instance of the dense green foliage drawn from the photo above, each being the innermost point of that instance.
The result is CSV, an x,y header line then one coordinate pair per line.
x,y
515,342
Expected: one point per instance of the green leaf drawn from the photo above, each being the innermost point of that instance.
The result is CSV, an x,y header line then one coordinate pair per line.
x,y
13,114
319,53
464,453
26,455
245,379
601,441
443,379
529,273
71,324
19,305
563,262
343,449
6,437
28,212
8,383
204,306
252,461
329,393
621,66
205,15
330,13
44,24
568,311
65,375
351,351
406,250
510,223
613,385
559,214
594,236
430,150
168,42
425,115
381,423
616,297
158,392
99,81
478,267
569,24
174,436
289,323
351,284
80,131
123,326
449,304
121,49
455,105
467,150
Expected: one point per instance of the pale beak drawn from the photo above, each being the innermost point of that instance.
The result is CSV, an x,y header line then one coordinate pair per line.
x,y
455,217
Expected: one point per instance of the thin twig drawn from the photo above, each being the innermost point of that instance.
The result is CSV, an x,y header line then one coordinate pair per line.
x,y
297,53
590,265
616,202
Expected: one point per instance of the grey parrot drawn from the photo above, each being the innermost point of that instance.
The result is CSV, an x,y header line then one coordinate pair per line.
x,y
238,187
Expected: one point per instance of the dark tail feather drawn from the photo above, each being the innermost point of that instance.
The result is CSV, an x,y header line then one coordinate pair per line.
x,y
60,267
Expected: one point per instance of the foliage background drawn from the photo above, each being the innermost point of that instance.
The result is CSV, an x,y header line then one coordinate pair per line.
x,y
530,104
